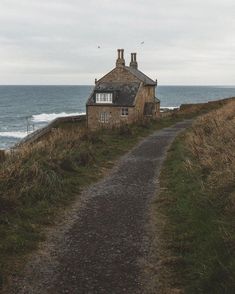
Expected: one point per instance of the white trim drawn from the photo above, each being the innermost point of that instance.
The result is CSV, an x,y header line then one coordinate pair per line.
x,y
103,117
104,98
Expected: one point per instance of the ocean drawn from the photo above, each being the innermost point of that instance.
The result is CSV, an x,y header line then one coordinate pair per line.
x,y
27,108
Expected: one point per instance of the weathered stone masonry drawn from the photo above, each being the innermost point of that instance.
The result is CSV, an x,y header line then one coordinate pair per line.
x,y
124,95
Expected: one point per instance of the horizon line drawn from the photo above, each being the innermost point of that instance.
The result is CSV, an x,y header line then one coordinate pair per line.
x,y
89,85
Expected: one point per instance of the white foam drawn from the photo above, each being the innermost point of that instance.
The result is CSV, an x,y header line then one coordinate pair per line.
x,y
47,117
169,107
18,134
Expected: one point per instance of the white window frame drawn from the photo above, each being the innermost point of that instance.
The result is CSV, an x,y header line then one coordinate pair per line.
x,y
124,111
104,117
104,98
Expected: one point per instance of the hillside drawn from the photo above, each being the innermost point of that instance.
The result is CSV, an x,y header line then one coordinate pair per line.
x,y
195,213
39,181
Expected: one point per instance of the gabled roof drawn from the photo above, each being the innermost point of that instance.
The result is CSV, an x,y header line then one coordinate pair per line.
x,y
123,94
137,73
141,76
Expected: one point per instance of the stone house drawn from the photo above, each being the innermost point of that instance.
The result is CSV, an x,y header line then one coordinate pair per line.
x,y
122,96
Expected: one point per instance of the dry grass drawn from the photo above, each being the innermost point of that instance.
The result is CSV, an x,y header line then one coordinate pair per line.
x,y
35,181
35,163
212,143
195,211
38,180
200,108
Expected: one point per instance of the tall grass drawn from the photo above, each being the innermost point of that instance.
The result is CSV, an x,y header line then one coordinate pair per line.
x,y
38,180
212,144
34,182
197,204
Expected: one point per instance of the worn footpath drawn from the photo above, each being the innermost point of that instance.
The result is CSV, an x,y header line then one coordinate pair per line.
x,y
102,245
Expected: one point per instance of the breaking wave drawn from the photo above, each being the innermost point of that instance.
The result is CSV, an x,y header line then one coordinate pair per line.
x,y
47,117
18,134
169,107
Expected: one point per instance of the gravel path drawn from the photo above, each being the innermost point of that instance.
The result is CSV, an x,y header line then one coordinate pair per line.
x,y
103,244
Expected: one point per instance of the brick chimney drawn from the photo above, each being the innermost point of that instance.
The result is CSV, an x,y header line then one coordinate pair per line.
x,y
133,62
120,60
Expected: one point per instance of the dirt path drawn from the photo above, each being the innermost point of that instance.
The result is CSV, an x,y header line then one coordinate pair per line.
x,y
103,245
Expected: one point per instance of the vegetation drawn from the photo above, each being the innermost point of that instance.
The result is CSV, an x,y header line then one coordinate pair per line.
x,y
195,211
39,180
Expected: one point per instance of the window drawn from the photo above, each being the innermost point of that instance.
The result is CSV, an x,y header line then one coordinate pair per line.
x,y
124,111
104,117
104,97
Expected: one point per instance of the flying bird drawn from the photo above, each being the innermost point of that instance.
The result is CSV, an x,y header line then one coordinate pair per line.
x,y
142,43
98,47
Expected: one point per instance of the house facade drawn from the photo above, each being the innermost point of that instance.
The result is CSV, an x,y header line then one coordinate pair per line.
x,y
122,96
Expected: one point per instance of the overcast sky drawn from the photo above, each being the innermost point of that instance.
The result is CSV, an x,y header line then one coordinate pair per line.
x,y
187,42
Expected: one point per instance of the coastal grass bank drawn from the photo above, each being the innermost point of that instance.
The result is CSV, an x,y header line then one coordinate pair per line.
x,y
194,214
43,178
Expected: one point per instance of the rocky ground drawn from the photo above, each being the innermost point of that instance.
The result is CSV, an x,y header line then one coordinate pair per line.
x,y
102,246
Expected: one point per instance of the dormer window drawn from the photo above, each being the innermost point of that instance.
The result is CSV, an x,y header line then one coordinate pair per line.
x,y
104,97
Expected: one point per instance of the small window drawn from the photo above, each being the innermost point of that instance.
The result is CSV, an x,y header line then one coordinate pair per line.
x,y
104,117
124,111
104,97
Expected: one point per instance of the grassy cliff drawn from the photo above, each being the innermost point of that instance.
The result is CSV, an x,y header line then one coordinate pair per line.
x,y
195,211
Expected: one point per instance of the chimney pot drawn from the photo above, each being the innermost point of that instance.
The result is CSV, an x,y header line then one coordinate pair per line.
x,y
120,60
133,62
132,57
122,53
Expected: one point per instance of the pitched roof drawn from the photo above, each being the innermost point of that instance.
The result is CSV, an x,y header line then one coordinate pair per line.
x,y
140,75
123,94
157,100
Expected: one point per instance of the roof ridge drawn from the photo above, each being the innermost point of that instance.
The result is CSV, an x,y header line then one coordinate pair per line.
x,y
137,74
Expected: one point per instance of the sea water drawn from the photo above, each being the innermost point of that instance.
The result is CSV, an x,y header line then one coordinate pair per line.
x,y
27,108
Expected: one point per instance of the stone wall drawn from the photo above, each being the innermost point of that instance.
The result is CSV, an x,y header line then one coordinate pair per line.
x,y
158,114
145,94
40,133
114,116
118,75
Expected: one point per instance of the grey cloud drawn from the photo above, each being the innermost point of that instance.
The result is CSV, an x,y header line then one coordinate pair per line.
x,y
56,41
